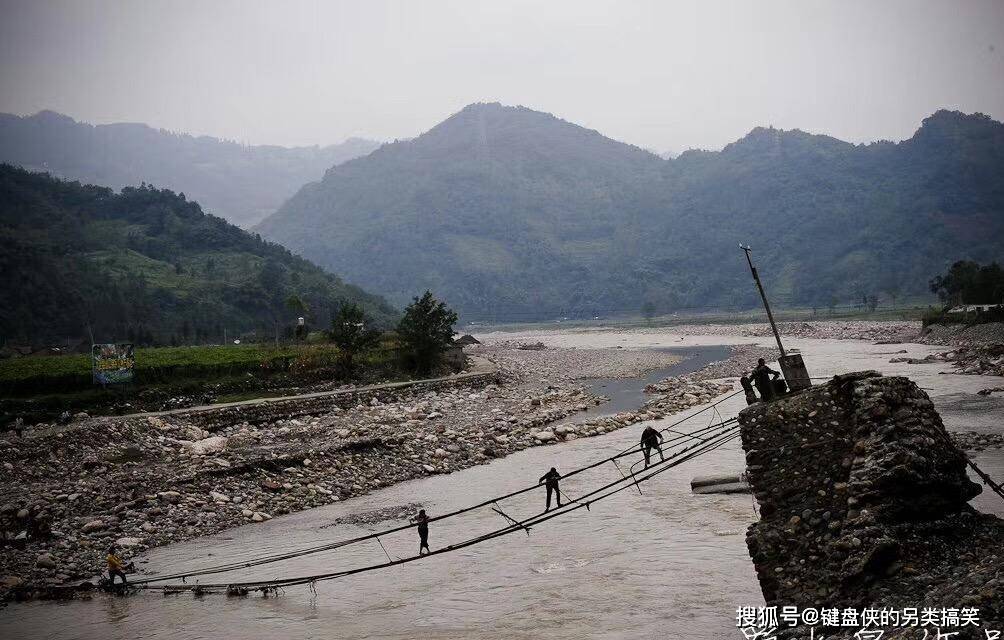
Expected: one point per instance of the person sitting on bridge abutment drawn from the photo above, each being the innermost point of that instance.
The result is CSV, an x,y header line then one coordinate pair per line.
x,y
550,480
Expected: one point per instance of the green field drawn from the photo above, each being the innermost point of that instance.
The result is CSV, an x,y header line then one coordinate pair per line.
x,y
154,366
40,388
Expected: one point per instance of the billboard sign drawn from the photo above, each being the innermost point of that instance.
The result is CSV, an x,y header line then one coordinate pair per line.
x,y
112,363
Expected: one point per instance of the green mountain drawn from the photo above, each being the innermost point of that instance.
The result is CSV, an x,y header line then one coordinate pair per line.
x,y
240,183
513,214
146,265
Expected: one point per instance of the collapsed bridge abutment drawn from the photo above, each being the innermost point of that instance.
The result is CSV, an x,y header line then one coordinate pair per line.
x,y
864,503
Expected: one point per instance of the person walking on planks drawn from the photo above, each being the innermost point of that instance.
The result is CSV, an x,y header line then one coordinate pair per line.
x,y
423,531
550,480
115,566
651,439
761,378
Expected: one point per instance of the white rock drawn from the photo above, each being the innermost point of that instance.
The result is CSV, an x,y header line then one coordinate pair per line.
x,y
129,542
214,444
219,497
93,525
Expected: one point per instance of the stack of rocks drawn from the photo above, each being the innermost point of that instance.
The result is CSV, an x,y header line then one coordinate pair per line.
x,y
863,503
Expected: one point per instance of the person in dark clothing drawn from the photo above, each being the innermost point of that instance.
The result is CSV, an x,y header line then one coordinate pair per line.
x,y
761,378
550,480
748,388
423,531
651,439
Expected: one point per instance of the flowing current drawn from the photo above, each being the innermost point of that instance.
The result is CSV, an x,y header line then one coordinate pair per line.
x,y
662,564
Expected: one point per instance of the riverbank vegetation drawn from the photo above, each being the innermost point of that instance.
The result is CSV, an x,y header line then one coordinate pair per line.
x,y
967,290
351,352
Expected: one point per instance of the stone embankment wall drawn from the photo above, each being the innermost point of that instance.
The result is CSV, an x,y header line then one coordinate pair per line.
x,y
266,410
863,503
964,335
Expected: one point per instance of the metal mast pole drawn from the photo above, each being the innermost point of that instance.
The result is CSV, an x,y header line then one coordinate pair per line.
x,y
763,296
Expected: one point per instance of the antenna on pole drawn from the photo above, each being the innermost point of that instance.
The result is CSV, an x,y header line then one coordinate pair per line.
x,y
763,296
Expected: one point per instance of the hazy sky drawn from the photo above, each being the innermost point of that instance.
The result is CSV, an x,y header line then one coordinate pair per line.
x,y
663,75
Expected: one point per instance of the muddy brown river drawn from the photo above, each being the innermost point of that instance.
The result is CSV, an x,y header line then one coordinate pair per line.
x,y
664,564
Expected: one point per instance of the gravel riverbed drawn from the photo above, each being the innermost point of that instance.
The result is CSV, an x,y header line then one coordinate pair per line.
x,y
892,330
147,481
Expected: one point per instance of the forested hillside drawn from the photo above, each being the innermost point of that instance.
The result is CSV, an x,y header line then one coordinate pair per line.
x,y
146,265
514,214
240,183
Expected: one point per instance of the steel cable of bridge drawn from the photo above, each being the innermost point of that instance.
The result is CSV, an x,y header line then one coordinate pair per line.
x,y
713,442
342,543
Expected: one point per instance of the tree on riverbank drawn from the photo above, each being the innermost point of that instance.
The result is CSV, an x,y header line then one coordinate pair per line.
x,y
351,333
426,330
968,282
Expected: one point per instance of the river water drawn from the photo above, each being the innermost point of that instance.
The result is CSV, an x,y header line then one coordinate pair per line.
x,y
665,564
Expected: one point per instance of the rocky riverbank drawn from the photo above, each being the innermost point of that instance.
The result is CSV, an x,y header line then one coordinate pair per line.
x,y
990,333
871,330
547,364
741,361
975,441
148,481
864,504
977,360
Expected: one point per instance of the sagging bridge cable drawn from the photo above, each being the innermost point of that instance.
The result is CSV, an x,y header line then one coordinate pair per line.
x,y
727,432
371,536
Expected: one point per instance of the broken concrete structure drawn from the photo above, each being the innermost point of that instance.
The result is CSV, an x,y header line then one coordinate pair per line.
x,y
864,503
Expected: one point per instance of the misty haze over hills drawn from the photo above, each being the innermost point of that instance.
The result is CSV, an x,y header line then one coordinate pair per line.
x,y
239,183
514,214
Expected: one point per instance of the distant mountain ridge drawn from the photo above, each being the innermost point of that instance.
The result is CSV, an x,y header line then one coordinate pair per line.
x,y
240,183
148,266
513,214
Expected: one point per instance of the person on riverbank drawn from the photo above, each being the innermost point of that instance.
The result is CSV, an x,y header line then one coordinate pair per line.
x,y
550,482
762,379
423,531
651,439
115,566
748,389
